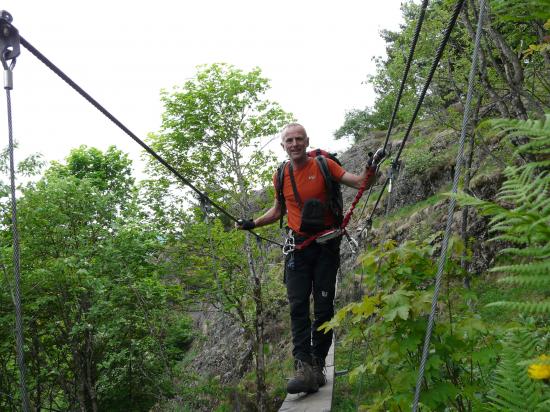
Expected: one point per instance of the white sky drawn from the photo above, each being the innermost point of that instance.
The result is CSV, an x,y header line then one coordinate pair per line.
x,y
316,53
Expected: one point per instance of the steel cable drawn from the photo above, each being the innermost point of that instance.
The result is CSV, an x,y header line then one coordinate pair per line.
x,y
435,63
147,148
407,67
452,203
16,268
414,41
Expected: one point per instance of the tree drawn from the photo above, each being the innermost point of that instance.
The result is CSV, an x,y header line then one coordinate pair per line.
x,y
212,129
512,75
97,311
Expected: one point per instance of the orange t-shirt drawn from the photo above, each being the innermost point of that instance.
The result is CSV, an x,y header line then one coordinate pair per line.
x,y
310,184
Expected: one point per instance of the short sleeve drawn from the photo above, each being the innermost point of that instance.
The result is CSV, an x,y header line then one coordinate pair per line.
x,y
336,171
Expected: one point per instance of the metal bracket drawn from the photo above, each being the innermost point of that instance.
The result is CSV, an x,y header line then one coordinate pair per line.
x,y
9,38
9,47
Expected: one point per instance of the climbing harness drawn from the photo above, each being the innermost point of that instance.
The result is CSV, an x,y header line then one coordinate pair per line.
x,y
326,235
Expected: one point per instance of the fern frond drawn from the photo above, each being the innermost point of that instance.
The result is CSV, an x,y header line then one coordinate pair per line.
x,y
519,127
531,308
527,280
536,252
511,388
532,268
542,164
511,238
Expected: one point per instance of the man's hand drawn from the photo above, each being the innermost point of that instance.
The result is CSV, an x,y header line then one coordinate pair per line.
x,y
245,224
376,158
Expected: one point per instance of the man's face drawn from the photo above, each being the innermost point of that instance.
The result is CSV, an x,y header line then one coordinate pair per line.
x,y
295,143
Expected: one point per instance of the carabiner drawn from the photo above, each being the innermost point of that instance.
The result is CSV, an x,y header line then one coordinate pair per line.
x,y
352,243
289,245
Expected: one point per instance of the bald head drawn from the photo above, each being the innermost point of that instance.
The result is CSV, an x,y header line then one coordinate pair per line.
x,y
293,127
294,141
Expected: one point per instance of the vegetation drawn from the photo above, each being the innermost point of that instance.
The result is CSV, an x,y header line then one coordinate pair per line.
x,y
87,255
113,269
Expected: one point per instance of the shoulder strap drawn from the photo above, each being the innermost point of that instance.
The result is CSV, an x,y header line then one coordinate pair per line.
x,y
322,162
294,188
280,195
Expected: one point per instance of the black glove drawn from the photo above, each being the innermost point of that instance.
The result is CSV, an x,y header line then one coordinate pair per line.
x,y
246,224
376,158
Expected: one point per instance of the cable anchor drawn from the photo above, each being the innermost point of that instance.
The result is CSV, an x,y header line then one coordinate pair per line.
x,y
9,47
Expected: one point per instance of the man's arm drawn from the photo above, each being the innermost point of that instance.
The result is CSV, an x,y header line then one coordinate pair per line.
x,y
353,180
272,215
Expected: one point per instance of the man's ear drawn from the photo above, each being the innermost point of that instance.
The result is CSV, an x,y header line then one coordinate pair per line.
x,y
307,141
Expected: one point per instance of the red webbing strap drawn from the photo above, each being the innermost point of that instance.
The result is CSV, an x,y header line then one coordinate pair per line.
x,y
358,196
311,239
347,218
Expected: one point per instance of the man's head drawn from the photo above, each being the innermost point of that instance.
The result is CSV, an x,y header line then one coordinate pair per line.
x,y
294,141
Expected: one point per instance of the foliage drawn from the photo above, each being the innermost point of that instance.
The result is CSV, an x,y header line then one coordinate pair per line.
x,y
521,10
521,215
509,85
212,130
447,85
356,124
511,387
391,323
216,121
520,218
98,315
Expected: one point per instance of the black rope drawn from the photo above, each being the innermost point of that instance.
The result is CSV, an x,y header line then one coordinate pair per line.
x,y
407,67
435,63
112,118
414,41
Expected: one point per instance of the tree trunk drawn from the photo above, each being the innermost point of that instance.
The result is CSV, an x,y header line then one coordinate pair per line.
x,y
258,344
90,375
258,329
541,36
482,67
467,177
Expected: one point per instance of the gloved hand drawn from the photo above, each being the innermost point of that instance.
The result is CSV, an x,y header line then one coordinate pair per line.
x,y
376,158
246,224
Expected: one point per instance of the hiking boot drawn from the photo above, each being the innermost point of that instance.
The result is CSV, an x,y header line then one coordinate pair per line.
x,y
304,380
318,368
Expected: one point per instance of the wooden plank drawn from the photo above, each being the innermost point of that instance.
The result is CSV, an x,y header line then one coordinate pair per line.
x,y
315,402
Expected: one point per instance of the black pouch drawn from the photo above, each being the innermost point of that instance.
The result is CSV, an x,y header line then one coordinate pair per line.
x,y
313,216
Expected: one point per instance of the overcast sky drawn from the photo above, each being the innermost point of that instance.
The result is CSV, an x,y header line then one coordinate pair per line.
x,y
316,53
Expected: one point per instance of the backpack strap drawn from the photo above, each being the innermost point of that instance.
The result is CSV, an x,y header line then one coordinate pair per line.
x,y
331,189
294,188
323,166
280,195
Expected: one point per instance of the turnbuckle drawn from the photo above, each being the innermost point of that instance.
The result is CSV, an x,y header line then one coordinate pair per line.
x,y
328,236
9,47
289,245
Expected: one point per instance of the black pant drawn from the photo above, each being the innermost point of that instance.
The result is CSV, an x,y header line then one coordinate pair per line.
x,y
311,269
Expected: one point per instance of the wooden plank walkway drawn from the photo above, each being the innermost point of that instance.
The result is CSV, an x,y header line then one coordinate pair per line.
x,y
315,402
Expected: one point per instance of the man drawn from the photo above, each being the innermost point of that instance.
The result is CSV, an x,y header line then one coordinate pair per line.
x,y
313,268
